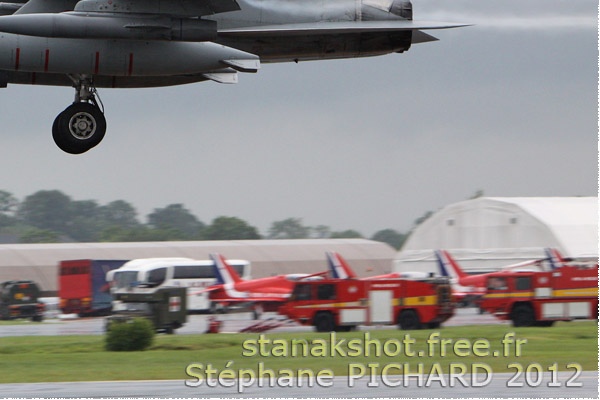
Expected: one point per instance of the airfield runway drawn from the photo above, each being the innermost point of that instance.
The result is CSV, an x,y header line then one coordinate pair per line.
x,y
339,388
199,324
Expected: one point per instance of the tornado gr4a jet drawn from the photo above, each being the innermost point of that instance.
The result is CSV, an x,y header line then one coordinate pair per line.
x,y
90,44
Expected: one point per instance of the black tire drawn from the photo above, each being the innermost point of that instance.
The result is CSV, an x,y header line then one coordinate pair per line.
x,y
346,328
78,128
324,322
522,315
434,325
409,320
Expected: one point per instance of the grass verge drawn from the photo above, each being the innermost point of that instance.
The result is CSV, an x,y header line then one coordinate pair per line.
x,y
83,358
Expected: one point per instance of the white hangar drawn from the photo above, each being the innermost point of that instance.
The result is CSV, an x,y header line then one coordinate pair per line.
x,y
39,262
486,233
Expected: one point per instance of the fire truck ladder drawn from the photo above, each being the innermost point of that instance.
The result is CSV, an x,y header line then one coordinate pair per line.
x,y
265,325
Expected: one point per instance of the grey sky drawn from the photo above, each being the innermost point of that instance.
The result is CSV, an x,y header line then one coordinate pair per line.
x,y
508,106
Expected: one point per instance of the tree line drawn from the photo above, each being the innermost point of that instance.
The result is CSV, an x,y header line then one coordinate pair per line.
x,y
50,216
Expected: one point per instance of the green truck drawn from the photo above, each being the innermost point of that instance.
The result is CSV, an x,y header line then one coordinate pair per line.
x,y
20,299
165,307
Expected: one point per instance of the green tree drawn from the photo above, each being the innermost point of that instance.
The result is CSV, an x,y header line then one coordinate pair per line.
x,y
84,223
477,194
423,218
347,234
321,231
391,237
119,213
230,228
36,235
8,204
176,218
46,209
138,234
290,228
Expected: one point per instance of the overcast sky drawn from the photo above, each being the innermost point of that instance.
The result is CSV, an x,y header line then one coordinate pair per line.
x,y
508,106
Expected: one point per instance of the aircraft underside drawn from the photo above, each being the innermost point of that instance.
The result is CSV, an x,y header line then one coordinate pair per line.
x,y
271,50
140,43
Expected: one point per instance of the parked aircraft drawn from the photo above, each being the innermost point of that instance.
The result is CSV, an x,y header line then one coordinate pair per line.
x,y
340,269
263,294
89,44
469,288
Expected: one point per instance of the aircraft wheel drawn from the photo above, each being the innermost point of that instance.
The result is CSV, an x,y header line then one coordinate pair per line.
x,y
78,128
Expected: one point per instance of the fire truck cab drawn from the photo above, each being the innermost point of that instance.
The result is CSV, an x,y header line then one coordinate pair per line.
x,y
342,304
539,298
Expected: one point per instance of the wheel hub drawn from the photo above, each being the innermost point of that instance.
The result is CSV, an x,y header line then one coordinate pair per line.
x,y
82,126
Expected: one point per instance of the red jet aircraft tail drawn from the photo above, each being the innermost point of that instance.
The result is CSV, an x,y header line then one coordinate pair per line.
x,y
448,266
555,259
223,271
338,267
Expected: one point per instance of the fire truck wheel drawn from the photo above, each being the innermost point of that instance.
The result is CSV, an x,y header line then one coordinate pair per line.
x,y
409,320
324,322
346,328
522,315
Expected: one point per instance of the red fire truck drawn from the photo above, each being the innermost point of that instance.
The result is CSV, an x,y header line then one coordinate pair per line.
x,y
342,304
538,298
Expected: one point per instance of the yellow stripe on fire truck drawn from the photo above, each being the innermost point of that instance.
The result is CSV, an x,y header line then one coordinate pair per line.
x,y
591,292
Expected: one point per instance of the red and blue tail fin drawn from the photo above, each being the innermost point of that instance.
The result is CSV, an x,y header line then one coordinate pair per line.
x,y
338,267
555,259
223,271
448,266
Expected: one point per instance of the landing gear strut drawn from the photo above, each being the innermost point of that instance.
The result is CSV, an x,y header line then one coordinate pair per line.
x,y
82,125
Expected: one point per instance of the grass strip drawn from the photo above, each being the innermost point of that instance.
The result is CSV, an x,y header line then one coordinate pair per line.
x,y
83,358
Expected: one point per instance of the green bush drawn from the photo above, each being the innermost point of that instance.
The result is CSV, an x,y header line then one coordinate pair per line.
x,y
134,335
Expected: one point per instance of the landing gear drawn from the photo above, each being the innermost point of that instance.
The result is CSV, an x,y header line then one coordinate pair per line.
x,y
82,125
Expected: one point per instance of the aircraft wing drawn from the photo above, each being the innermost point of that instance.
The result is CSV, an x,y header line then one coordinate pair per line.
x,y
10,8
179,8
336,28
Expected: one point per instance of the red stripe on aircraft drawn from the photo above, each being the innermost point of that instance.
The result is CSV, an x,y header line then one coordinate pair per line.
x,y
17,58
130,70
46,60
97,64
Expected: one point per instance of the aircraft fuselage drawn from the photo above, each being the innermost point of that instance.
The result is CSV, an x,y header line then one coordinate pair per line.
x,y
66,45
89,44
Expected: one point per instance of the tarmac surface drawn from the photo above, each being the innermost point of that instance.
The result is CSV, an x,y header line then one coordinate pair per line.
x,y
497,386
71,325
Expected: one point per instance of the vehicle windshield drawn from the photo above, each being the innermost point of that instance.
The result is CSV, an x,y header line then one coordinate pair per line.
x,y
133,307
125,279
301,292
496,283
